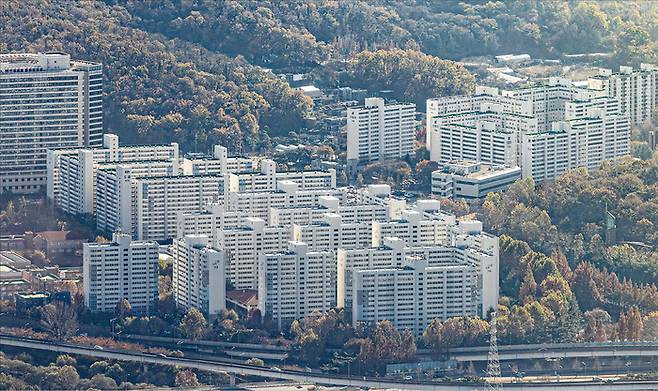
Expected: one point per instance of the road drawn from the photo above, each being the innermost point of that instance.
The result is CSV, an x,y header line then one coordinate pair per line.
x,y
553,351
303,377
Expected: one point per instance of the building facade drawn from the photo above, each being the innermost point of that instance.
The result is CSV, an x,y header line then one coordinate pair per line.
x,y
71,182
379,131
295,283
544,129
120,269
472,181
199,278
47,101
635,89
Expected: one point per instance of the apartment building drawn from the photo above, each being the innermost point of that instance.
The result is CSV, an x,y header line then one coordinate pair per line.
x,y
414,228
207,222
160,200
635,89
71,181
529,127
47,101
412,295
219,163
120,269
310,247
472,181
378,131
199,278
333,233
349,213
287,194
243,247
295,283
574,144
115,191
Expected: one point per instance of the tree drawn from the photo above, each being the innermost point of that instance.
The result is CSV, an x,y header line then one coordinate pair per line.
x,y
414,76
633,325
186,379
386,341
65,359
432,336
59,319
193,325
595,325
309,348
255,361
528,289
407,346
123,308
650,329
102,382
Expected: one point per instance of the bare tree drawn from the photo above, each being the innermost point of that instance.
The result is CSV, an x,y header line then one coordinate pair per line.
x,y
59,319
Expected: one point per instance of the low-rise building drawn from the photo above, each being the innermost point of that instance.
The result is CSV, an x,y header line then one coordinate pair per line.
x,y
54,243
472,181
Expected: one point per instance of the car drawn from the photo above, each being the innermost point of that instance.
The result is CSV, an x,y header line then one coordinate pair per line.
x,y
98,347
308,369
408,377
162,355
598,379
277,369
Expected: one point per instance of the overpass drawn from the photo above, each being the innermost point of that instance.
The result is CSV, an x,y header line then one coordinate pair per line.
x,y
303,377
559,351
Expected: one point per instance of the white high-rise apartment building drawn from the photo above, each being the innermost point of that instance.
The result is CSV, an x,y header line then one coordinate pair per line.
x,y
635,89
379,131
412,295
121,269
333,233
115,191
307,215
316,271
160,200
47,101
297,282
207,222
545,129
199,278
243,247
71,179
287,194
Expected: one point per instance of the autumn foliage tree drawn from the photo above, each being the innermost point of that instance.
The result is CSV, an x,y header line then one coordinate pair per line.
x,y
59,319
193,325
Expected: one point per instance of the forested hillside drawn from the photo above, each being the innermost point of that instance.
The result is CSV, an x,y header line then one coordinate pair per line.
x,y
309,31
555,263
158,90
184,70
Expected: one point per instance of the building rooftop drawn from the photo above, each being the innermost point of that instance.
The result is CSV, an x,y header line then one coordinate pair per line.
x,y
475,170
245,297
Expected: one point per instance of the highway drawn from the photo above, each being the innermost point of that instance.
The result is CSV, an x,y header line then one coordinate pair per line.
x,y
587,350
304,377
552,351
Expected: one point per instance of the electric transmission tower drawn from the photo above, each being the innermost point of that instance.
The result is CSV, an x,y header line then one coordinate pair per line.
x,y
493,364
